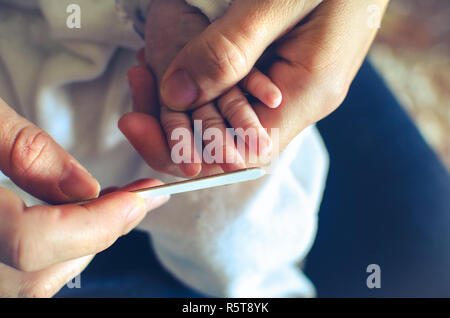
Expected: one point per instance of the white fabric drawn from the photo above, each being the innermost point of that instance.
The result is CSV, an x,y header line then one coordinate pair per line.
x,y
212,9
244,240
135,11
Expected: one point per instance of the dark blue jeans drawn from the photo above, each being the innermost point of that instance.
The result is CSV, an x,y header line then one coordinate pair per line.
x,y
387,202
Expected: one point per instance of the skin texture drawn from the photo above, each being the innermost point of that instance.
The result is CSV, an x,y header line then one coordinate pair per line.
x,y
43,247
313,64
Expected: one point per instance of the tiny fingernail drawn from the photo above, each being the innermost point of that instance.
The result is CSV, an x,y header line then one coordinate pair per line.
x,y
274,99
180,90
190,169
77,184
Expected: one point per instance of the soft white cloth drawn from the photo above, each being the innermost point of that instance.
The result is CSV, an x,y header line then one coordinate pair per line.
x,y
212,9
136,10
245,240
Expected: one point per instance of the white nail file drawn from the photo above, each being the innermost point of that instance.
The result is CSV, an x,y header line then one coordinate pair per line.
x,y
200,183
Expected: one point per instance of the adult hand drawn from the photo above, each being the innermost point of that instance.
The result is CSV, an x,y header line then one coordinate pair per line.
x,y
312,63
43,247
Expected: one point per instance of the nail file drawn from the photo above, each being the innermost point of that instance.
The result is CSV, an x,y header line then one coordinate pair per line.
x,y
199,183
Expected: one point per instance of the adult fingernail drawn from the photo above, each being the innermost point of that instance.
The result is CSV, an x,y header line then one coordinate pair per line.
x,y
140,210
154,203
77,184
135,214
180,90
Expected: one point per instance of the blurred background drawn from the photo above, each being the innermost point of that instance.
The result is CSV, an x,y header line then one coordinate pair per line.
x,y
412,53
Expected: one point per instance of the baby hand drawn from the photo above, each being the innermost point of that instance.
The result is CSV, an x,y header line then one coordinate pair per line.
x,y
170,25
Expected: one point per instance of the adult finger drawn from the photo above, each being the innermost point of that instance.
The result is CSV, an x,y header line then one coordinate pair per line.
x,y
47,282
37,237
37,164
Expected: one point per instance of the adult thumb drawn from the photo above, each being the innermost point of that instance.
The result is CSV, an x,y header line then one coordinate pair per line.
x,y
227,50
38,165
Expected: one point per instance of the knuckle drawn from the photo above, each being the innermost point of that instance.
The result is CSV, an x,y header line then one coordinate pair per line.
x,y
212,122
227,60
28,152
232,108
235,111
209,117
174,120
22,257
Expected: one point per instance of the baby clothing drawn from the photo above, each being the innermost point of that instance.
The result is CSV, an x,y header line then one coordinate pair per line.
x,y
243,240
